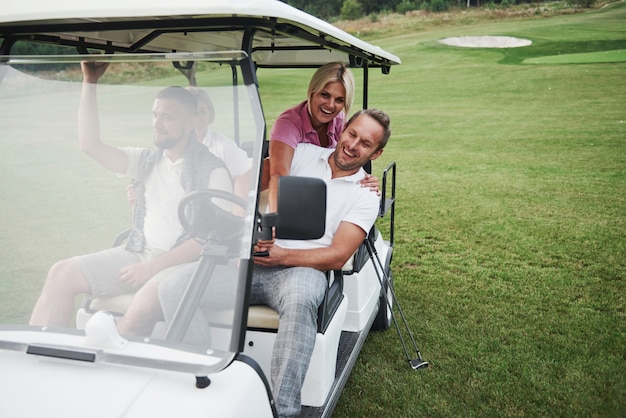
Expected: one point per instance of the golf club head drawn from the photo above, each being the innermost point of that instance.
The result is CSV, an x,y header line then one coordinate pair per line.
x,y
418,363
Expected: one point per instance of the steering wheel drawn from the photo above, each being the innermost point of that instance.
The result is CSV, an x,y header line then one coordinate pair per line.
x,y
205,220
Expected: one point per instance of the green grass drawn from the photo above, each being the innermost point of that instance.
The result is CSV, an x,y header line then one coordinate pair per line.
x,y
618,55
510,254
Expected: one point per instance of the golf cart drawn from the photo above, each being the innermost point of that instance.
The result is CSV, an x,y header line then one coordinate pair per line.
x,y
57,203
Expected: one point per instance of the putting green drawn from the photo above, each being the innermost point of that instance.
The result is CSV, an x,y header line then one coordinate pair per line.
x,y
486,41
616,55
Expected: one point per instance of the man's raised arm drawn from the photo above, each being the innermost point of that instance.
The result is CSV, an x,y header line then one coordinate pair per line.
x,y
89,139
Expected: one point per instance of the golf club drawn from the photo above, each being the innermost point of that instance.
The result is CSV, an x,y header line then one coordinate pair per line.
x,y
415,363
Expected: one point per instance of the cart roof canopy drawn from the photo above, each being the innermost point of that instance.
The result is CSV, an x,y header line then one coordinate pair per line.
x,y
273,33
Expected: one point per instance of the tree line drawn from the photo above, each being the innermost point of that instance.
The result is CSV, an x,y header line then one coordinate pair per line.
x,y
355,9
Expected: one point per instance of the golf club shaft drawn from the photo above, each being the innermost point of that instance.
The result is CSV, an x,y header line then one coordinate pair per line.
x,y
374,255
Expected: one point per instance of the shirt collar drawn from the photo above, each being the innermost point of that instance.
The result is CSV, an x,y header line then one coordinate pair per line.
x,y
169,163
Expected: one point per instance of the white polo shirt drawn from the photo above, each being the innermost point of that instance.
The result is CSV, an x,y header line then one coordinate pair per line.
x,y
225,149
163,194
346,200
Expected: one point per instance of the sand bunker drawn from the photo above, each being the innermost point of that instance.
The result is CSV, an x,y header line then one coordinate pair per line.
x,y
486,41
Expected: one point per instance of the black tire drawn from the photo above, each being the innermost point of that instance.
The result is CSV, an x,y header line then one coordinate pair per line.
x,y
384,316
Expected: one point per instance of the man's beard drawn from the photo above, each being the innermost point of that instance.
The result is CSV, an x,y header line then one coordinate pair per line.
x,y
354,165
168,142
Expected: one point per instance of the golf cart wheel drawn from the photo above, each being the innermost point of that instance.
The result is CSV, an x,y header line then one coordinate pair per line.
x,y
384,315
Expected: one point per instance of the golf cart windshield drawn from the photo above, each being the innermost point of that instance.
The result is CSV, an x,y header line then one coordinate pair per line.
x,y
57,202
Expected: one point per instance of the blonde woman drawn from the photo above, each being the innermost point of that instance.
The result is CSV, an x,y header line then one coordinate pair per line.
x,y
318,120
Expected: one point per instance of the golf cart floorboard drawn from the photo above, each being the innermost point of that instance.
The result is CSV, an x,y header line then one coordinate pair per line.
x,y
350,344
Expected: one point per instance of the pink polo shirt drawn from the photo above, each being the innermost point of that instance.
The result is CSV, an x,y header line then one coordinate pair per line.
x,y
293,127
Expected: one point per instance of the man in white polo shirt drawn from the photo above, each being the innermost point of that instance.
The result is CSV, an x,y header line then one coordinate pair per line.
x,y
290,278
157,244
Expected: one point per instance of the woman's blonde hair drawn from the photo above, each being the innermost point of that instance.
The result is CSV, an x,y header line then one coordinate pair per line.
x,y
329,73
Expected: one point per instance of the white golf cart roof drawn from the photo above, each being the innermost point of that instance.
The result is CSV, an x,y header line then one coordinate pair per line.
x,y
273,33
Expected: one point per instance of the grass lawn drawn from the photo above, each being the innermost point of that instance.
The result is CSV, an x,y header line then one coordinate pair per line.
x,y
510,253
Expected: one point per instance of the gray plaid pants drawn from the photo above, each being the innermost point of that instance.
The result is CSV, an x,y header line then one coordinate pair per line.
x,y
295,293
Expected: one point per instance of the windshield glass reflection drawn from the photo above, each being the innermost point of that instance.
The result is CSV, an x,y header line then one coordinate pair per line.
x,y
66,194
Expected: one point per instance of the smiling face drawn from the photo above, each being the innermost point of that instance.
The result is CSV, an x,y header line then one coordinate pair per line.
x,y
326,104
358,144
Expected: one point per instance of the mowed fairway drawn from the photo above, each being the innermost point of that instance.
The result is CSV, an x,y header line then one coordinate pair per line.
x,y
510,254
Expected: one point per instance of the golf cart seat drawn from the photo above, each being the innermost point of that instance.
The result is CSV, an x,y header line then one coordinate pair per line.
x,y
259,316
262,317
